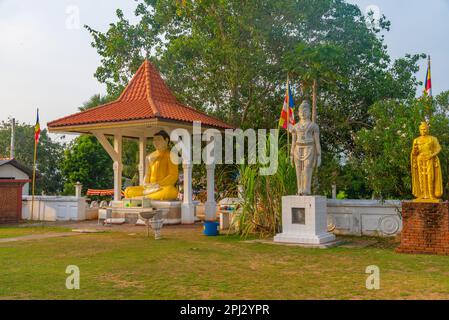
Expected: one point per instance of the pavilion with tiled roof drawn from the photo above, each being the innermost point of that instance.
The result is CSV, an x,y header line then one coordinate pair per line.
x,y
145,107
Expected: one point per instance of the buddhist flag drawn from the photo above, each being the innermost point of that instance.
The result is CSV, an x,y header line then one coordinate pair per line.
x,y
287,114
428,88
37,129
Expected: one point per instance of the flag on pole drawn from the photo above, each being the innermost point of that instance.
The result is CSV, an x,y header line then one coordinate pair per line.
x,y
428,88
37,129
37,134
287,119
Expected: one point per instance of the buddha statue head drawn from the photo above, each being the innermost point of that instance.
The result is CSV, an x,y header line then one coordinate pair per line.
x,y
161,140
424,129
304,111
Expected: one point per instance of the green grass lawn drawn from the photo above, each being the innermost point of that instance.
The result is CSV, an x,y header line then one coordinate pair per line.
x,y
187,265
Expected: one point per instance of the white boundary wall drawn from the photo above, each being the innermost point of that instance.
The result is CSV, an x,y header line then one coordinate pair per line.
x,y
54,208
365,217
350,217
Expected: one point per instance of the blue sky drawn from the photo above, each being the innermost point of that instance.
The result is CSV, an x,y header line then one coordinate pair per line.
x,y
418,27
46,61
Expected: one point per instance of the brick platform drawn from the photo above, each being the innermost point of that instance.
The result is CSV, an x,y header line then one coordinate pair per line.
x,y
425,228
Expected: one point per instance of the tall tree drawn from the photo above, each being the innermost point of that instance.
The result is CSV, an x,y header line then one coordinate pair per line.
x,y
49,155
85,161
96,100
130,146
387,145
231,58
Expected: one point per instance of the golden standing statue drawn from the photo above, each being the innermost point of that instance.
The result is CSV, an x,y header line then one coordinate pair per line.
x,y
427,180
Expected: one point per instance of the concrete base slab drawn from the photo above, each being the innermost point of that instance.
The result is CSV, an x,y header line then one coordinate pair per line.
x,y
88,231
305,239
327,245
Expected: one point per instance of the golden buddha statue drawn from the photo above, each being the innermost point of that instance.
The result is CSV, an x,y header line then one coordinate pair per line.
x,y
161,174
427,181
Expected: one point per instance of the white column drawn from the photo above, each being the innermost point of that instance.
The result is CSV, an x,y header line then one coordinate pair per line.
x,y
188,208
118,167
211,205
142,155
334,191
78,189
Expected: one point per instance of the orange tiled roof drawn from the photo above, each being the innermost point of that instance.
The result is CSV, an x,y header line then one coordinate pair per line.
x,y
146,97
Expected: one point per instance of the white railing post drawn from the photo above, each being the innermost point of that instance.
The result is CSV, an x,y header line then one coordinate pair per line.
x,y
118,167
211,205
188,208
142,156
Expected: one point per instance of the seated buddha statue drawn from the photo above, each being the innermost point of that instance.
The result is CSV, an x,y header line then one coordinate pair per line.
x,y
161,174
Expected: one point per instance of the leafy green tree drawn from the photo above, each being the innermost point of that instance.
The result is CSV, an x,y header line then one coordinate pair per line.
x,y
49,179
386,146
85,161
231,59
131,160
95,101
130,146
314,64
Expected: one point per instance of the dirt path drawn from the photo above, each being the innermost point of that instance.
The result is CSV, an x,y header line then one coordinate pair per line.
x,y
38,237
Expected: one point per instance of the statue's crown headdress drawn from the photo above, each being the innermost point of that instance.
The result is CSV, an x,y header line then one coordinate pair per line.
x,y
305,105
424,124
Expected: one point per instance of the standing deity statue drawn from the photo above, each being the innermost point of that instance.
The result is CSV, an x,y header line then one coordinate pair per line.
x,y
306,149
427,180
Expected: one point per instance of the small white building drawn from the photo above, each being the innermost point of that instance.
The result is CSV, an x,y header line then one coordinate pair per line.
x,y
11,169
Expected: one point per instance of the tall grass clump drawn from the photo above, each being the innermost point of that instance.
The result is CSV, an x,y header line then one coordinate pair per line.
x,y
262,197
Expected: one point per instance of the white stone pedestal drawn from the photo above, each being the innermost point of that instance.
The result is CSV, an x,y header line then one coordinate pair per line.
x,y
304,221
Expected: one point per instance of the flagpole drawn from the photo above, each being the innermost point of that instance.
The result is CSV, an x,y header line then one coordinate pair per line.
x,y
430,92
37,131
34,179
430,71
288,116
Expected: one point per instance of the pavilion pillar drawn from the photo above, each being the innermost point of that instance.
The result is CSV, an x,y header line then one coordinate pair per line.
x,y
211,205
188,208
118,167
142,156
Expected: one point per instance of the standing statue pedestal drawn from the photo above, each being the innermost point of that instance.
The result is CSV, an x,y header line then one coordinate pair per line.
x,y
304,221
304,218
425,228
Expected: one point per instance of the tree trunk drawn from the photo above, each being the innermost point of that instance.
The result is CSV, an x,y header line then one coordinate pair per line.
x,y
314,99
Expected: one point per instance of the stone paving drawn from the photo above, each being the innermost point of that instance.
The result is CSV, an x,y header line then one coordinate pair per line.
x,y
39,237
86,227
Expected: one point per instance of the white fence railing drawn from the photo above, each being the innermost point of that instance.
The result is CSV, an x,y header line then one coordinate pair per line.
x,y
365,217
54,208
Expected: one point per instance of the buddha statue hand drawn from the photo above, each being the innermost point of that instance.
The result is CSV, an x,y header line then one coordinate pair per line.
x,y
151,188
415,150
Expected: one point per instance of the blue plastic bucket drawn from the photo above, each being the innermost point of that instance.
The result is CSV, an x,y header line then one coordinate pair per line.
x,y
211,228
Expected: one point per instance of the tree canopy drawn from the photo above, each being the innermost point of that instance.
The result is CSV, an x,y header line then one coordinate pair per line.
x,y
387,145
85,161
231,58
49,178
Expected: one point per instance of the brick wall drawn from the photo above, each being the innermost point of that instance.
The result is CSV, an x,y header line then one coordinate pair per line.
x,y
425,228
10,199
